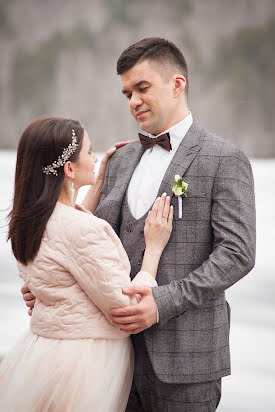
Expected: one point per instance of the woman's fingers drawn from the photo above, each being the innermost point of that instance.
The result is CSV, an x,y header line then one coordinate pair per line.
x,y
113,149
121,144
105,159
161,206
154,211
103,163
108,154
161,209
166,208
171,215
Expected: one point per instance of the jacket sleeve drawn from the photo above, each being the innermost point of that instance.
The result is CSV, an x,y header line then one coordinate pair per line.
x,y
101,267
233,225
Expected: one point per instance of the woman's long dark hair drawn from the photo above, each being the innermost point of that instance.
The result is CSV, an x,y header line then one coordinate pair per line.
x,y
35,193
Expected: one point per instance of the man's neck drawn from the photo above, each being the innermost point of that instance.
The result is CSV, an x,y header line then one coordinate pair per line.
x,y
176,121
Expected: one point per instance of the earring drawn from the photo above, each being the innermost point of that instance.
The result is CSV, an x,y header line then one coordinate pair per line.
x,y
72,194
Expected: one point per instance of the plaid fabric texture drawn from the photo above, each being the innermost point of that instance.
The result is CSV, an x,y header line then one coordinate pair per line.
x,y
211,248
149,394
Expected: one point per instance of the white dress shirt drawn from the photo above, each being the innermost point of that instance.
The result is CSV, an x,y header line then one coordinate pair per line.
x,y
145,182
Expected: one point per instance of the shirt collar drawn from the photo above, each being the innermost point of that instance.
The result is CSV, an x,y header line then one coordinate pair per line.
x,y
178,131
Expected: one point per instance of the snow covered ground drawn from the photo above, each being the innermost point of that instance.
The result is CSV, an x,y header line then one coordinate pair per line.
x,y
251,386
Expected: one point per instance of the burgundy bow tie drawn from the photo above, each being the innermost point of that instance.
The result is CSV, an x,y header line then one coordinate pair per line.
x,y
163,141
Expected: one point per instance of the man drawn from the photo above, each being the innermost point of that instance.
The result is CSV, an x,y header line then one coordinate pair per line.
x,y
180,329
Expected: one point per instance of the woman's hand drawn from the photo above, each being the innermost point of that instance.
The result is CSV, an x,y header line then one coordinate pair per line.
x,y
158,225
157,231
104,161
91,199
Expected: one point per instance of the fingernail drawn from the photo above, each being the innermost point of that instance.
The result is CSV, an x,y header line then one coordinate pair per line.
x,y
158,198
164,194
171,207
168,198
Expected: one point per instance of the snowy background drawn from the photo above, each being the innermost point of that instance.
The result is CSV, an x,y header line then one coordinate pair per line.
x,y
250,388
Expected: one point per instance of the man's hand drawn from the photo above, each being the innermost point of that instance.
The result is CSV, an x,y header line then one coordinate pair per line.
x,y
28,297
136,318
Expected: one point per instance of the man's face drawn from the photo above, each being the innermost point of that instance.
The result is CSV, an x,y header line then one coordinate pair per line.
x,y
151,96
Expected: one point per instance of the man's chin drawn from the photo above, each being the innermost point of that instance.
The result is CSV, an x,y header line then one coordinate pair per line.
x,y
146,127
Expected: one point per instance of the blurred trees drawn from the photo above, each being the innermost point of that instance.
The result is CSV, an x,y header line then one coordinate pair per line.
x,y
65,65
33,71
245,63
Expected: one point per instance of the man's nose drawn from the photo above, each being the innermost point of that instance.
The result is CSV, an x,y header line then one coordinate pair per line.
x,y
135,101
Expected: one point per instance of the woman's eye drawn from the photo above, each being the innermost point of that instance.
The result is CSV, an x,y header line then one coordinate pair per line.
x,y
143,90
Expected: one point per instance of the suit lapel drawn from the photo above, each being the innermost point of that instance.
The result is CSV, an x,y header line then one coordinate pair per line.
x,y
109,208
128,164
189,147
131,161
184,156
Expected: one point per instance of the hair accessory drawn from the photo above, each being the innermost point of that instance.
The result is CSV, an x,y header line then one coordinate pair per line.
x,y
66,154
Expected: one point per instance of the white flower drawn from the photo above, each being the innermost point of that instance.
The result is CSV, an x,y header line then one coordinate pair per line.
x,y
180,188
178,191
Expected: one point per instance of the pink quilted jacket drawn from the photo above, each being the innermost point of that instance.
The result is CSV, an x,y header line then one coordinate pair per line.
x,y
77,276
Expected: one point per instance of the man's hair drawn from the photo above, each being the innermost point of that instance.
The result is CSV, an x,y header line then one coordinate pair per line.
x,y
155,49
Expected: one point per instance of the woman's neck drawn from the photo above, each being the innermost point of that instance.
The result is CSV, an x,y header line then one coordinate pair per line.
x,y
65,197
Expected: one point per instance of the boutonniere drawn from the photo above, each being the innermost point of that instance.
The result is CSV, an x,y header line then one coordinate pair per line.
x,y
180,189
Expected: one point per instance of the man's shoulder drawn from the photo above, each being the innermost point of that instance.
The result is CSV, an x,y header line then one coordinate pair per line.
x,y
122,155
214,145
127,149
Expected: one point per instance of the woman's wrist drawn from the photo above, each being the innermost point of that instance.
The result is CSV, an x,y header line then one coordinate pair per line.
x,y
92,197
151,260
153,251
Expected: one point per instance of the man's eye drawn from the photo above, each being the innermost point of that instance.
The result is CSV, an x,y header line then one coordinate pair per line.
x,y
143,90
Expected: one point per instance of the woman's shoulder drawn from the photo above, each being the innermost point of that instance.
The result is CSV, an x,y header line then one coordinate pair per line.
x,y
76,222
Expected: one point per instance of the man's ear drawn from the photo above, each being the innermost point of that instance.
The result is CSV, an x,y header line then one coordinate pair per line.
x,y
179,84
69,170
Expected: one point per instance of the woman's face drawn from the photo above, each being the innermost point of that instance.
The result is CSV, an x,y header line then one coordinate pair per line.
x,y
84,168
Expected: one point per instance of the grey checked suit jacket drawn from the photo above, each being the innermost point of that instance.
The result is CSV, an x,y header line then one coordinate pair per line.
x,y
211,248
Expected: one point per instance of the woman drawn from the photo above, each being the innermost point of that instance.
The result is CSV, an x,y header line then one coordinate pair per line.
x,y
73,358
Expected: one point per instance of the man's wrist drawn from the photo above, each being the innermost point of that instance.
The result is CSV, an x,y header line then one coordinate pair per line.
x,y
165,304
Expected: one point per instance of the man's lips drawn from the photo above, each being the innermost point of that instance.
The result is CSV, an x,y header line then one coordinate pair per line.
x,y
140,113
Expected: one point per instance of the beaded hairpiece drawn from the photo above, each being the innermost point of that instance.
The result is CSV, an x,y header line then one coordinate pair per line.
x,y
66,154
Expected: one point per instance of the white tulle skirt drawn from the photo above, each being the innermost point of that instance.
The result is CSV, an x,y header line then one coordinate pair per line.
x,y
53,375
